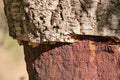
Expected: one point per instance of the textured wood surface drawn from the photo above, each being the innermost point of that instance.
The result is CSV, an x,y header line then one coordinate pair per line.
x,y
54,27
39,21
87,59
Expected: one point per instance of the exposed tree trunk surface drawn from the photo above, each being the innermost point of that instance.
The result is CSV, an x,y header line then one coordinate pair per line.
x,y
84,60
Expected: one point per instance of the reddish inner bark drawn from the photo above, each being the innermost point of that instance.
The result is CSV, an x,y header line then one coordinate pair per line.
x,y
83,60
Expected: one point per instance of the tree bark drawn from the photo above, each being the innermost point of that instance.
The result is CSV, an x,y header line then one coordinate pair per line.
x,y
67,39
38,21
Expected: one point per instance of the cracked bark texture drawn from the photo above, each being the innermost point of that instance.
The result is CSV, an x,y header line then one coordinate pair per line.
x,y
41,21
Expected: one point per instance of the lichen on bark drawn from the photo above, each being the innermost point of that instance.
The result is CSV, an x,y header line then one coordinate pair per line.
x,y
40,21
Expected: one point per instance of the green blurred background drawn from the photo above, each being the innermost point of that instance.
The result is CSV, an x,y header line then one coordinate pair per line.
x,y
12,65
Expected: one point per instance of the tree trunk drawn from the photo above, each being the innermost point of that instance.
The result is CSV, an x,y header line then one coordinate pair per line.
x,y
67,39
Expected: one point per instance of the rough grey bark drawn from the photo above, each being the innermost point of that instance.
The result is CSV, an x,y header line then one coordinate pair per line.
x,y
39,21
